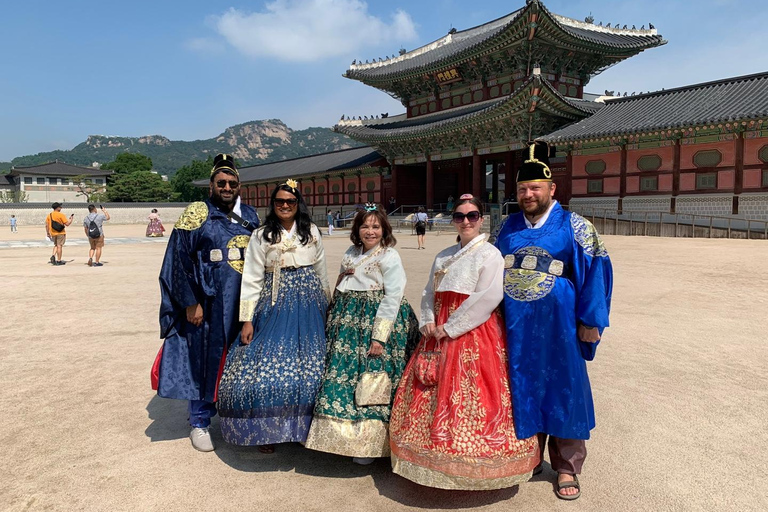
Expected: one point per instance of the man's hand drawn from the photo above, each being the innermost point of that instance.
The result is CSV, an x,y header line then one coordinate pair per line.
x,y
428,330
246,333
195,315
376,349
588,334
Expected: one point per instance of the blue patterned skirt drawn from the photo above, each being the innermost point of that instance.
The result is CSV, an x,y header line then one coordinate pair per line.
x,y
268,388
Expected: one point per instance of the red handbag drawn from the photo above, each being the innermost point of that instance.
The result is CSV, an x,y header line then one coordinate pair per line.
x,y
154,374
427,365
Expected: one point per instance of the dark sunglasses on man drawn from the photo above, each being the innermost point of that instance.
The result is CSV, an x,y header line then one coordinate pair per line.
x,y
279,202
459,217
223,183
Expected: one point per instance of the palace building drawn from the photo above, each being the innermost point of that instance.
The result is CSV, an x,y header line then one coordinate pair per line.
x,y
475,98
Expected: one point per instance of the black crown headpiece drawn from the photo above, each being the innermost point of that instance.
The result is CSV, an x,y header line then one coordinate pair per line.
x,y
224,163
536,166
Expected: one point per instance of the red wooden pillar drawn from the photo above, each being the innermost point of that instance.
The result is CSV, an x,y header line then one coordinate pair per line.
x,y
509,177
675,177
393,183
623,177
327,191
738,184
430,184
360,187
478,175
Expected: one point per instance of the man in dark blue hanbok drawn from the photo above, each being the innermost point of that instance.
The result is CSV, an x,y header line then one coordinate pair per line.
x,y
557,296
200,287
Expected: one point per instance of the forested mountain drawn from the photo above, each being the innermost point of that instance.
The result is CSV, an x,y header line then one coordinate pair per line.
x,y
251,143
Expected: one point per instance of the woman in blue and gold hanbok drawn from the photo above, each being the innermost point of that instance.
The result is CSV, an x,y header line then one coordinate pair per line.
x,y
272,374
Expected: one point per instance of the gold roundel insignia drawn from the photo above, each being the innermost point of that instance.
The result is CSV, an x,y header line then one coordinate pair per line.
x,y
238,242
547,172
528,285
193,216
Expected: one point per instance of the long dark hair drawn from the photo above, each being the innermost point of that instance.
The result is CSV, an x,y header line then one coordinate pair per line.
x,y
387,238
272,226
464,200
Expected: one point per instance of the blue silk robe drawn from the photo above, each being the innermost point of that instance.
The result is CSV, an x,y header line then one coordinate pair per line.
x,y
547,362
203,264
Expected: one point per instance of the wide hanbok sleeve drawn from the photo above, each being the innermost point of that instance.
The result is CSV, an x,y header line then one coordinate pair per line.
x,y
427,315
488,293
321,269
179,279
252,283
592,278
393,275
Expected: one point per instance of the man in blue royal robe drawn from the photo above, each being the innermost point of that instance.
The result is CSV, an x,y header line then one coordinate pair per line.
x,y
557,296
200,288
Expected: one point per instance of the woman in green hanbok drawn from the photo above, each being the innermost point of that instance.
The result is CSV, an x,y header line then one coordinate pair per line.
x,y
371,327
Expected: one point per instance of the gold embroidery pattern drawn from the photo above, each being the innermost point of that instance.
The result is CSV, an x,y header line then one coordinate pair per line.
x,y
381,329
238,242
193,216
361,438
587,237
460,433
528,285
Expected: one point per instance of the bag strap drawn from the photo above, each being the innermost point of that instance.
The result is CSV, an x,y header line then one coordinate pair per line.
x,y
245,223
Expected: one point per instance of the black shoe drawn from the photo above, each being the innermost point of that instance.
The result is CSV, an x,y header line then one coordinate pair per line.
x,y
59,263
53,260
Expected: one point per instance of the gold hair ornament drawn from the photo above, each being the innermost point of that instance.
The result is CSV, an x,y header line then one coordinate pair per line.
x,y
533,159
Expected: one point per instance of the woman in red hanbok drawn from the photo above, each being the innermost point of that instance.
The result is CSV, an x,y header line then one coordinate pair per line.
x,y
451,424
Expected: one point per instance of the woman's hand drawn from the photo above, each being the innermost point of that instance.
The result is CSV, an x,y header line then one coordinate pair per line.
x,y
246,333
195,315
440,333
376,349
428,330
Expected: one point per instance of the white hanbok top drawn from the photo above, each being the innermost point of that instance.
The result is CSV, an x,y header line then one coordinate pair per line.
x,y
262,257
476,270
378,269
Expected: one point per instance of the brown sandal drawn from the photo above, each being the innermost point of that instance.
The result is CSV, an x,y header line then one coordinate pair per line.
x,y
267,448
565,485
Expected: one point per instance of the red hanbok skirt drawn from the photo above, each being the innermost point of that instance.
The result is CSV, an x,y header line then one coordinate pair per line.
x,y
459,433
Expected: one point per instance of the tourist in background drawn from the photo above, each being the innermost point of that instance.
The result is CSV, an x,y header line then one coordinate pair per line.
x,y
274,370
93,224
452,424
371,327
420,220
13,224
56,229
330,222
557,296
200,295
155,227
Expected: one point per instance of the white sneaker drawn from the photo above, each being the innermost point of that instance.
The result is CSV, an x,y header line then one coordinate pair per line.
x,y
363,461
201,439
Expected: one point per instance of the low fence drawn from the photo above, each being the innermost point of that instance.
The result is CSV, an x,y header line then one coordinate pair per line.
x,y
686,225
34,214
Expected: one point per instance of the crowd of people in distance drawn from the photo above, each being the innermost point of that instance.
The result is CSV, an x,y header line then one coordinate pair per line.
x,y
466,396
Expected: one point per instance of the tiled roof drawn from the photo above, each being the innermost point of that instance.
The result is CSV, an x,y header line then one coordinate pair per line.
x,y
731,99
463,42
402,126
307,165
58,169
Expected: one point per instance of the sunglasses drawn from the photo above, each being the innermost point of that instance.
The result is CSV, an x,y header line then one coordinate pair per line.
x,y
282,202
223,183
459,217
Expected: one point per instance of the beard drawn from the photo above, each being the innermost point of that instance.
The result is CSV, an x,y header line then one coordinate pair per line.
x,y
539,207
227,203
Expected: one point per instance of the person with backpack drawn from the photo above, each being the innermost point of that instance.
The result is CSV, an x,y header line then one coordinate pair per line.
x,y
93,224
56,229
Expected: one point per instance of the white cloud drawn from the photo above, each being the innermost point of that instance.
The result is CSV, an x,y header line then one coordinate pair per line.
x,y
306,30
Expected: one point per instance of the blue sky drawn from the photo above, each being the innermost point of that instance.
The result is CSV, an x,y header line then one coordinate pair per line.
x,y
189,69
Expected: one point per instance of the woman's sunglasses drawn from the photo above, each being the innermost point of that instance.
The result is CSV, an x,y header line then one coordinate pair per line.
x,y
232,183
282,202
459,217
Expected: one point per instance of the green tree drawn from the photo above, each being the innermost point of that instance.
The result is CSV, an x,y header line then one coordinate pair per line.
x,y
88,188
139,186
181,183
127,163
13,196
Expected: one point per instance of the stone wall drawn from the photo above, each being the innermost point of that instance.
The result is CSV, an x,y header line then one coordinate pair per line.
x,y
647,204
34,214
753,206
713,205
597,203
